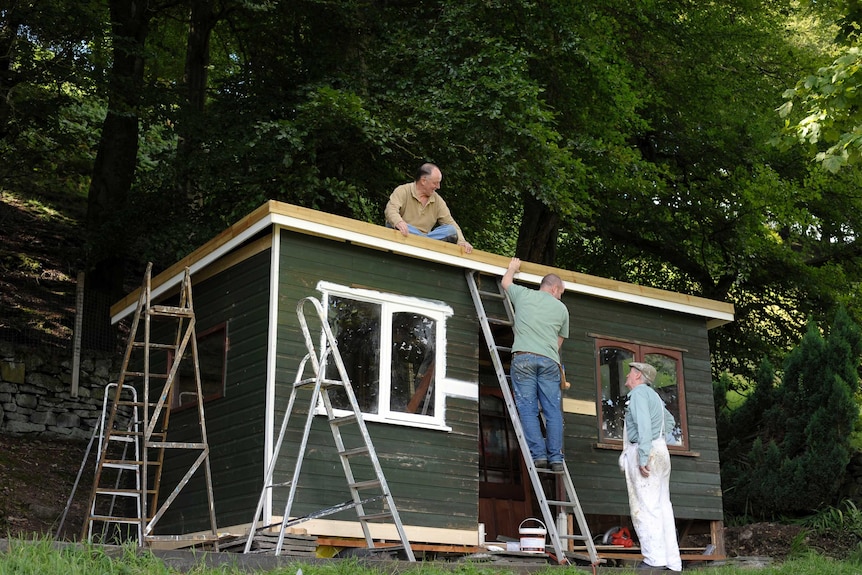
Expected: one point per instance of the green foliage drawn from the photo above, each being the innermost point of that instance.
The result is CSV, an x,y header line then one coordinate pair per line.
x,y
831,122
785,450
40,557
845,518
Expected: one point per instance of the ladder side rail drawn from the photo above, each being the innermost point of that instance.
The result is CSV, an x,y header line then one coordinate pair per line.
x,y
147,505
164,396
87,529
348,470
538,490
203,426
584,529
331,346
124,456
270,469
300,457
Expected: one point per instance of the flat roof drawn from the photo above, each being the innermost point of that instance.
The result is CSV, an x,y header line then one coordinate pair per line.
x,y
339,228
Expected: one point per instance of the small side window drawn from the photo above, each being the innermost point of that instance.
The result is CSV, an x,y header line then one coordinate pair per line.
x,y
212,359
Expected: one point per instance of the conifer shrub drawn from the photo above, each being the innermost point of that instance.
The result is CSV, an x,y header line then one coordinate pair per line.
x,y
785,449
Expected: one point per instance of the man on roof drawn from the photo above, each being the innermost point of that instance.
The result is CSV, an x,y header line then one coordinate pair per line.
x,y
417,208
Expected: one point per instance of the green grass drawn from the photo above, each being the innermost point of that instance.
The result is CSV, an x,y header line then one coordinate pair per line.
x,y
41,557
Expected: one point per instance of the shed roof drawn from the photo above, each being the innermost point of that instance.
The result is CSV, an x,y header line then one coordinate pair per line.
x,y
313,222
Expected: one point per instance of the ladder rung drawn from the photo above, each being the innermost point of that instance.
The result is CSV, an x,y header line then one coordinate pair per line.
x,y
571,504
119,492
498,321
114,436
135,403
282,484
365,484
169,310
120,464
154,345
491,294
142,374
323,382
176,444
343,420
113,519
573,537
504,349
375,517
363,450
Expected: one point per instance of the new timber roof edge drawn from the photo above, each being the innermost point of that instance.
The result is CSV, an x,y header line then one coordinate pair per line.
x,y
339,228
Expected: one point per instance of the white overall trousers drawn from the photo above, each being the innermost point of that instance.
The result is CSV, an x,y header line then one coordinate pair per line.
x,y
649,501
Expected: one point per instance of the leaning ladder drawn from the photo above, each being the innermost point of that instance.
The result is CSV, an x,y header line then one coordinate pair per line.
x,y
363,453
151,431
568,504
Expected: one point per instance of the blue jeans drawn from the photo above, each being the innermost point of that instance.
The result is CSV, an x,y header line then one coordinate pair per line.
x,y
446,233
536,382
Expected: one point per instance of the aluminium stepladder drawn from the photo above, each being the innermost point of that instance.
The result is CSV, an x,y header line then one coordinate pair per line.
x,y
152,409
568,504
385,509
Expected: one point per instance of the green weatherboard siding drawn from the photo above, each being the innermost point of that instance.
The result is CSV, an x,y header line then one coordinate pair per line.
x,y
432,473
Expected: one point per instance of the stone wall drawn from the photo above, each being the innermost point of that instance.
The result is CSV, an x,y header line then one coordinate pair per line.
x,y
36,391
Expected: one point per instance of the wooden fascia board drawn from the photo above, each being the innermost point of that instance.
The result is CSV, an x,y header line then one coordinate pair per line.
x,y
199,259
333,227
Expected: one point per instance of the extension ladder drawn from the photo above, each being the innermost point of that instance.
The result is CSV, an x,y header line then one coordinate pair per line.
x,y
385,510
567,505
148,431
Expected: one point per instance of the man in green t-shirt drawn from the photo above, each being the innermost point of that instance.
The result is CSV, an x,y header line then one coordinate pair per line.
x,y
541,324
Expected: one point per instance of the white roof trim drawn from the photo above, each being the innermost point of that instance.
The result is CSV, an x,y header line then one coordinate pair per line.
x,y
325,230
467,263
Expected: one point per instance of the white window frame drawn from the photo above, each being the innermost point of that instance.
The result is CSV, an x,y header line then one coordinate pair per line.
x,y
391,304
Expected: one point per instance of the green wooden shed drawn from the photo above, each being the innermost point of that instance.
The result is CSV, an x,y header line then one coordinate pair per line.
x,y
402,304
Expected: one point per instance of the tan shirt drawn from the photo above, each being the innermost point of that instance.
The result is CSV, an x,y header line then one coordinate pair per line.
x,y
404,204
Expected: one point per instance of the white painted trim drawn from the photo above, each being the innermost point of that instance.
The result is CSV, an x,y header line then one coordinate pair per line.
x,y
459,388
467,263
271,360
415,533
200,264
315,228
390,304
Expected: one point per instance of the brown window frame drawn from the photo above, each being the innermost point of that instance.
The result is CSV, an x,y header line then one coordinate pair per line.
x,y
640,352
176,392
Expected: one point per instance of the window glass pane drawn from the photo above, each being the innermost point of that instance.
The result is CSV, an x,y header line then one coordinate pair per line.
x,y
211,363
356,327
499,457
613,369
413,343
667,385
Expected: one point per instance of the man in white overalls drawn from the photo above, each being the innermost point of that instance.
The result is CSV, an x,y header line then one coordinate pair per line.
x,y
646,463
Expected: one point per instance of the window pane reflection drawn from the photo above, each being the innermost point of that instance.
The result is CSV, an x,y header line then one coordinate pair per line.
x,y
413,343
356,327
613,370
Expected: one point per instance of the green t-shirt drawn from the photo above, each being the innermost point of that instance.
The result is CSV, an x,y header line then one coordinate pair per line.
x,y
540,319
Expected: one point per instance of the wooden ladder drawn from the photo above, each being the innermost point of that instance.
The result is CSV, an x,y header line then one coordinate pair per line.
x,y
149,431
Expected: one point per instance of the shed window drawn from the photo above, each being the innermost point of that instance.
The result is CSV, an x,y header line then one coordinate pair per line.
x,y
613,365
391,347
212,354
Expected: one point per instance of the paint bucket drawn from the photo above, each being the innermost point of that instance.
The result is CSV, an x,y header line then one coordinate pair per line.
x,y
532,538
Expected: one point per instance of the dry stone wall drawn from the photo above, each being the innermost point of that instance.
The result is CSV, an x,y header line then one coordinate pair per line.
x,y
36,391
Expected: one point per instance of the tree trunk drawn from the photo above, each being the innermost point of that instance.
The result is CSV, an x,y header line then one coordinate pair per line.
x,y
10,22
202,20
114,171
537,238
